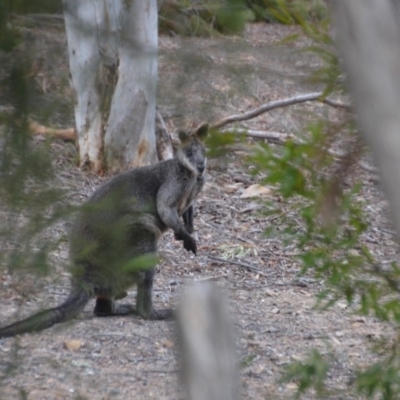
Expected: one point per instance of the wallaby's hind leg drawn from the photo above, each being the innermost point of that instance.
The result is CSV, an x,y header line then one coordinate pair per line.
x,y
144,298
188,218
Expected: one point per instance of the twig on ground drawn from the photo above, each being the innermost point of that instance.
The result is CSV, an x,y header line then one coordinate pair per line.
x,y
42,19
366,167
59,17
240,264
337,104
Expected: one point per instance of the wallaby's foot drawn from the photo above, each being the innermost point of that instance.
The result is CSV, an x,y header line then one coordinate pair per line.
x,y
155,315
190,244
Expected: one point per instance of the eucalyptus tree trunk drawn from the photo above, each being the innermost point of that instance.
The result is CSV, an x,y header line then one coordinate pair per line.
x,y
112,47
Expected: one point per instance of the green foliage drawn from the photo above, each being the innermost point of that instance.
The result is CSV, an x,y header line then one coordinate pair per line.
x,y
330,225
217,142
206,17
288,12
247,361
203,18
309,374
8,35
291,12
141,262
26,200
381,378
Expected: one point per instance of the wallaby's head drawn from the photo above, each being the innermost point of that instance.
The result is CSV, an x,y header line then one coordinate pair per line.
x,y
192,153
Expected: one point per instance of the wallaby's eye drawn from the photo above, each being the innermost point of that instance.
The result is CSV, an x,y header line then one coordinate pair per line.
x,y
189,153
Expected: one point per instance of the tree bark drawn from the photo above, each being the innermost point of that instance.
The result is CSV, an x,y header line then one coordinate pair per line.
x,y
368,37
112,46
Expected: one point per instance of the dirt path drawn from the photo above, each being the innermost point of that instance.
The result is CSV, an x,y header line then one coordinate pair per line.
x,y
128,358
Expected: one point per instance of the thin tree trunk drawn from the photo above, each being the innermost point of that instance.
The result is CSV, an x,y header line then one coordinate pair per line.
x,y
368,35
207,343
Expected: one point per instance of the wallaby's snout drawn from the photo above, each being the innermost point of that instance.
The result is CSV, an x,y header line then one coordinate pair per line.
x,y
201,167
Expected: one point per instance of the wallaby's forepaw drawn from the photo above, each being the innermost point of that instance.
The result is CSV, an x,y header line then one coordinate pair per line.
x,y
190,245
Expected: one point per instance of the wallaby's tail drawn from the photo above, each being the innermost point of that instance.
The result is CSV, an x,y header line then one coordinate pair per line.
x,y
71,307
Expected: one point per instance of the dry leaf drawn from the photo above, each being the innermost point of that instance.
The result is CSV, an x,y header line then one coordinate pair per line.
x,y
168,343
229,189
292,386
73,344
255,190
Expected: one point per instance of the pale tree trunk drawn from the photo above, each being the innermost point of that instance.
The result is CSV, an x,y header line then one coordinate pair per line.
x,y
112,46
368,36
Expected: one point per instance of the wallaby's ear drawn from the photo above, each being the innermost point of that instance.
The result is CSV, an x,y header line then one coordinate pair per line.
x,y
183,136
201,132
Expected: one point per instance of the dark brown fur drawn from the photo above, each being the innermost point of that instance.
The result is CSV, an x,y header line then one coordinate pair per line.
x,y
122,220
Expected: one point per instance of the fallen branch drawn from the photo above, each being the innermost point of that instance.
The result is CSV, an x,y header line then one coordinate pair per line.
x,y
278,137
277,104
70,133
37,129
55,20
337,104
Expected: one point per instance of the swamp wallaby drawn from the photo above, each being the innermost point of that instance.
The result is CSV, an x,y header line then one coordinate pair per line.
x,y
122,220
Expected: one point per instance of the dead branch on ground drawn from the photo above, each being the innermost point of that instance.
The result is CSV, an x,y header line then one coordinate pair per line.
x,y
302,98
37,129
